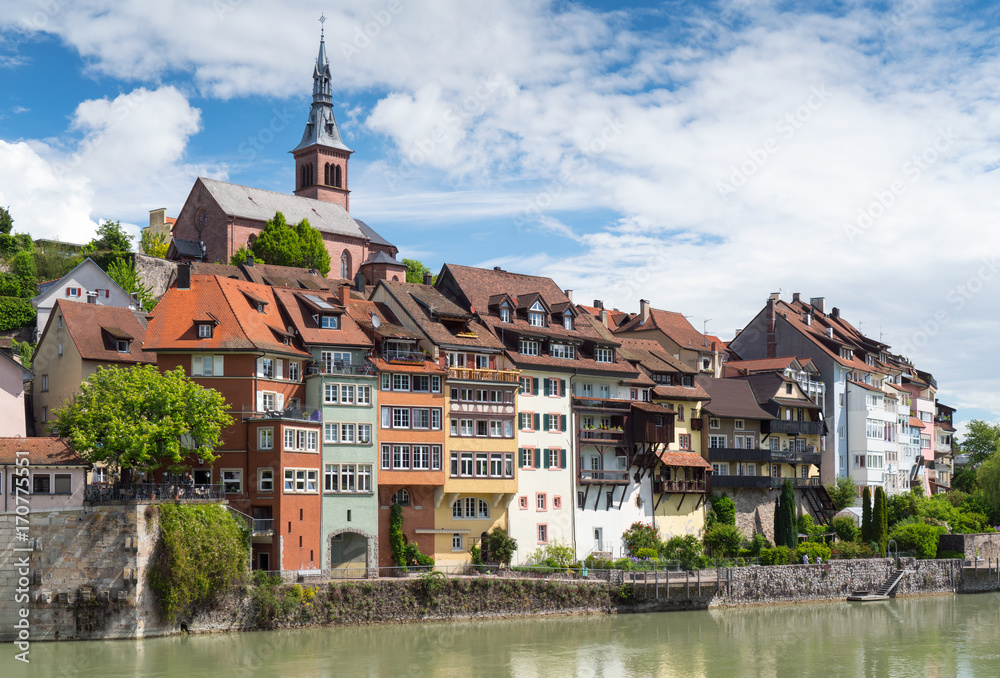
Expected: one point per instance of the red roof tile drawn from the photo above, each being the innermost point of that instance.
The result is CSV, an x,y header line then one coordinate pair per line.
x,y
673,325
94,329
300,315
671,458
41,451
914,421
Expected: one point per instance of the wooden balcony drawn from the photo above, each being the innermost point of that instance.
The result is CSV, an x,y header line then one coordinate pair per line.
x,y
765,455
602,404
602,477
791,427
473,374
761,482
681,486
600,436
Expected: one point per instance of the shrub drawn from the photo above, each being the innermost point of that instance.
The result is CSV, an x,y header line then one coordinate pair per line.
x,y
15,312
814,550
501,546
845,528
779,555
902,506
640,536
412,556
722,541
556,553
849,550
970,523
648,554
623,564
918,537
396,542
758,543
686,549
724,509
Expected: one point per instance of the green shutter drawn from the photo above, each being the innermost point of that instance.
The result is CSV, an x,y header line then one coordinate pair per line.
x,y
538,421
520,420
562,422
562,387
534,386
538,459
547,387
545,422
562,458
520,457
545,459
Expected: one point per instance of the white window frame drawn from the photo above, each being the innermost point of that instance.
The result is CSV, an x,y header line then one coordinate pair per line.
x,y
265,438
235,476
265,479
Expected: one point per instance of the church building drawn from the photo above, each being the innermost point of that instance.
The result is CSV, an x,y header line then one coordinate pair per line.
x,y
219,217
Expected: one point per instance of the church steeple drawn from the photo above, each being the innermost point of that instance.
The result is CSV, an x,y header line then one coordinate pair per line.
x,y
321,157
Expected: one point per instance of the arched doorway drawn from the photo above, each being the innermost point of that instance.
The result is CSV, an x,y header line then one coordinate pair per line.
x,y
350,554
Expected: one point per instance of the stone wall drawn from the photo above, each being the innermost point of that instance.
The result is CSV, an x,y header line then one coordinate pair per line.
x,y
755,510
155,273
985,545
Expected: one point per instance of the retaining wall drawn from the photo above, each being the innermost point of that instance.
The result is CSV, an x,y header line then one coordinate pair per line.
x,y
984,545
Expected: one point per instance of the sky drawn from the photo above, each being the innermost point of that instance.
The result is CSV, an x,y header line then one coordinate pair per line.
x,y
697,154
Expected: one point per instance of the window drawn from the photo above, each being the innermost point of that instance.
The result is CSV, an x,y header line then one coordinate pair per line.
x,y
267,401
554,458
232,480
265,480
717,442
556,503
522,502
540,502
720,468
72,291
265,438
587,390
456,542
207,366
329,322
301,480
265,368
714,423
536,315
45,413
562,350
605,391
420,383
294,371
470,508
364,434
525,386
775,445
739,425
122,346
62,484
400,382
45,382
604,355
40,484
680,413
400,417
482,362
528,347
684,441
543,534
579,500
481,428
301,440
401,497
505,314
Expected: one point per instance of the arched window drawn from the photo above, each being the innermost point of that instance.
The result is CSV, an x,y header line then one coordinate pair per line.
x,y
337,182
402,497
326,174
345,265
302,176
200,220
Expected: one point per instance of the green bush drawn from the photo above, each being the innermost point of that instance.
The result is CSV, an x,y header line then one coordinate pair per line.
x,y
15,312
686,549
757,544
640,536
918,537
501,546
396,542
722,541
648,554
845,527
814,550
623,564
556,553
849,550
806,524
947,553
779,555
724,509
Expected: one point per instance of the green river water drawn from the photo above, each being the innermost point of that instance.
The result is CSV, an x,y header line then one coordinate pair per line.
x,y
941,636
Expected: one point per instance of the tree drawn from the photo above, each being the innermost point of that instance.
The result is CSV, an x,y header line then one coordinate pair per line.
x,y
138,418
24,350
154,244
240,256
724,509
723,540
111,243
500,546
982,441
866,516
988,477
415,271
842,492
880,522
282,245
785,523
123,272
640,536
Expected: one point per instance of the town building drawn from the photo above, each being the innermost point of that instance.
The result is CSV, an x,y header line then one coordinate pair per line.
x,y
87,282
13,377
677,337
56,474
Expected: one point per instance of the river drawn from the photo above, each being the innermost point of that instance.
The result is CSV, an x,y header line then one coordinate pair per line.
x,y
940,636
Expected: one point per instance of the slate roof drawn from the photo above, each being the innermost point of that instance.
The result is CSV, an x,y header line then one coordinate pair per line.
x,y
240,326
373,237
93,328
844,334
44,451
188,248
389,326
269,274
651,355
673,325
381,257
731,398
761,365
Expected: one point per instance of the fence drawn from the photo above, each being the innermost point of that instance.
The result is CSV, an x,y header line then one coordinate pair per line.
x,y
141,492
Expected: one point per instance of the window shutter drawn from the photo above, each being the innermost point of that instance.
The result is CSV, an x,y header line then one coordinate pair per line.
x,y
67,291
562,458
538,422
538,454
280,401
562,387
196,367
534,386
547,387
260,401
260,367
79,291
520,457
277,367
545,422
545,459
562,422
107,293
218,371
520,420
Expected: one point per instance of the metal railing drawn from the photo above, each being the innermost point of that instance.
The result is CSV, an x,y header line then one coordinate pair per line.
x,y
395,355
601,434
342,368
604,476
262,525
140,492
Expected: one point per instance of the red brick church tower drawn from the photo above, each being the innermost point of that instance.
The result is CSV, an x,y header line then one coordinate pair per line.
x,y
321,157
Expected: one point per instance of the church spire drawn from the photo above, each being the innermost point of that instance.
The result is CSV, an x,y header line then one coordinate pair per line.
x,y
321,156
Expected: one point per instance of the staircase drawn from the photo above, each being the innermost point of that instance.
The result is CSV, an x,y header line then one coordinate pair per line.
x,y
819,502
891,583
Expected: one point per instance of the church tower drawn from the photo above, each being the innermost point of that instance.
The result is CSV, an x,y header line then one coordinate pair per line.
x,y
321,157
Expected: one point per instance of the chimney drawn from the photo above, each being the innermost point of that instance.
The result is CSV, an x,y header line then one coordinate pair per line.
x,y
796,296
817,303
772,340
249,260
183,276
807,318
569,295
498,269
345,294
835,313
428,278
604,317
598,303
359,282
644,310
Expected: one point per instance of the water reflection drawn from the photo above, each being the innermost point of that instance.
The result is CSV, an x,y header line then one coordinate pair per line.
x,y
940,636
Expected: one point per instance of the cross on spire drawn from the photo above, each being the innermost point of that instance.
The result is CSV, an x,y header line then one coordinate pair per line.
x,y
322,20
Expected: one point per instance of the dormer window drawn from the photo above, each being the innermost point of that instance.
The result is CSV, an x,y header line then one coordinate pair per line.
x,y
567,321
845,353
123,345
205,330
327,322
562,351
536,315
604,355
870,360
505,314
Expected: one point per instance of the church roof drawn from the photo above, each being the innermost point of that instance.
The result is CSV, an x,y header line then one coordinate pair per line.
x,y
373,237
259,205
381,258
321,127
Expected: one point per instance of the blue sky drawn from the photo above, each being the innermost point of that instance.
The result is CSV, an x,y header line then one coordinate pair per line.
x,y
699,154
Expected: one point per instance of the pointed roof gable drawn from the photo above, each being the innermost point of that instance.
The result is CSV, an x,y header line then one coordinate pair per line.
x,y
673,325
299,310
731,398
94,330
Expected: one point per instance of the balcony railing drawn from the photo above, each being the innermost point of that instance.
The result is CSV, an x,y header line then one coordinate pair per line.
x,y
262,526
761,482
810,456
604,477
601,434
587,403
796,457
673,486
475,374
398,356
143,492
341,368
791,427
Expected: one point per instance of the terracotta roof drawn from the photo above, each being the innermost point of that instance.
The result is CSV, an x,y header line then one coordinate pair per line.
x,y
731,398
442,320
673,325
671,458
944,426
300,312
681,393
761,365
95,329
427,366
241,327
843,332
915,421
389,327
41,451
792,402
867,387
652,408
267,274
